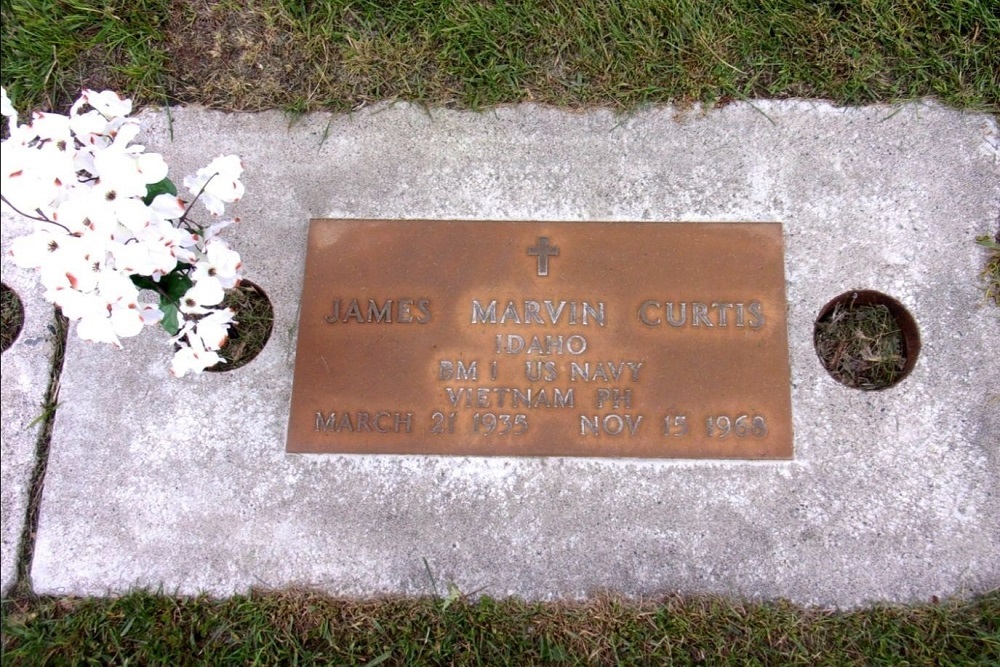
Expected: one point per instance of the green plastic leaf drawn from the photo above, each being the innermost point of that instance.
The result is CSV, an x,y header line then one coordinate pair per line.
x,y
171,319
164,187
143,282
175,285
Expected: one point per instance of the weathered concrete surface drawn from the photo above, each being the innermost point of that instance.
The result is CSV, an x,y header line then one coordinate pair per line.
x,y
26,366
892,496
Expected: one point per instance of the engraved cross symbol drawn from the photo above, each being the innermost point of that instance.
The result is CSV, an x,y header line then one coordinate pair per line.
x,y
543,251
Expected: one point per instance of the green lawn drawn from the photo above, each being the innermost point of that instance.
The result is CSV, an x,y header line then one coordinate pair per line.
x,y
301,55
304,628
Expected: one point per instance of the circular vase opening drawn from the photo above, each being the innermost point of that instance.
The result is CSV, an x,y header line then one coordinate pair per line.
x,y
248,336
866,340
12,314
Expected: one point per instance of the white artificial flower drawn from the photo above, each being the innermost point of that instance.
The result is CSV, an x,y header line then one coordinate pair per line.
x,y
148,257
31,251
151,315
85,182
202,294
213,329
167,207
215,228
93,134
89,125
51,132
77,216
152,166
132,214
27,193
77,305
220,264
184,245
117,217
122,174
107,103
35,170
111,312
123,136
117,322
198,341
75,271
189,359
220,181
64,261
116,288
51,148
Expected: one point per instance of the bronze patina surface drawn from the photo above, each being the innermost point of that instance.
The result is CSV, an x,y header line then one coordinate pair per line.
x,y
657,340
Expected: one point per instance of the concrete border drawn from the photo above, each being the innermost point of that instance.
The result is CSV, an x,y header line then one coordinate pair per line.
x,y
27,366
893,496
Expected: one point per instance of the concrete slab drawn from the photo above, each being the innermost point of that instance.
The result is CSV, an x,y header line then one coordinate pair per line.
x,y
892,496
25,380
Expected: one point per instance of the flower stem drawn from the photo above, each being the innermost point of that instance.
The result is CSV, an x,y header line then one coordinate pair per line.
x,y
40,217
183,218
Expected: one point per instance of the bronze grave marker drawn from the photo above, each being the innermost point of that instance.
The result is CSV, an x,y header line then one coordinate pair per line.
x,y
625,339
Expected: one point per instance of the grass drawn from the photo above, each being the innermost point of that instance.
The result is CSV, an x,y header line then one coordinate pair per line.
x,y
11,316
299,627
991,274
52,48
861,346
58,331
344,54
249,335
